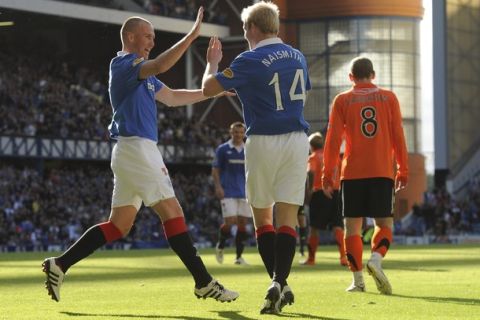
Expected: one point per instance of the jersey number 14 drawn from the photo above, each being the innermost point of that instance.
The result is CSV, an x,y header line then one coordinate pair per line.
x,y
293,96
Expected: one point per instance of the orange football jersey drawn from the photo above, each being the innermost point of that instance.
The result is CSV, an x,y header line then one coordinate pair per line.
x,y
369,117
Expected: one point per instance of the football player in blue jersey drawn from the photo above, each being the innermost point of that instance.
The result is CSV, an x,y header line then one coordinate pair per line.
x,y
271,81
139,172
228,172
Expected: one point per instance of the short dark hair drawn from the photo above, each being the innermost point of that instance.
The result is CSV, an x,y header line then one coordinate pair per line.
x,y
362,68
316,140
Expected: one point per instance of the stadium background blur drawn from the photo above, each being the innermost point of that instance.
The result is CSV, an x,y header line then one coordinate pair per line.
x,y
55,179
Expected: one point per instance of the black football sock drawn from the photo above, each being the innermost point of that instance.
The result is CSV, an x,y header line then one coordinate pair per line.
x,y
223,234
284,252
183,247
91,240
181,243
266,247
240,241
302,231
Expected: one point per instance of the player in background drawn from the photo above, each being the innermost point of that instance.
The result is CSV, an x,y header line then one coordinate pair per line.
x,y
302,228
138,168
228,172
324,212
369,117
271,81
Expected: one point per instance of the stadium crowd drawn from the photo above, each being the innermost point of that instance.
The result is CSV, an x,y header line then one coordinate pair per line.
x,y
184,9
51,212
179,9
441,215
50,99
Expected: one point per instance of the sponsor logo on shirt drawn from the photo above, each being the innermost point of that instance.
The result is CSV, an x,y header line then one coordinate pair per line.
x,y
236,161
228,73
150,86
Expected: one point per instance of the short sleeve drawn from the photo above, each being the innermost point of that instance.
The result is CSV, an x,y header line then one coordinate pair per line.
x,y
125,71
157,83
218,159
236,75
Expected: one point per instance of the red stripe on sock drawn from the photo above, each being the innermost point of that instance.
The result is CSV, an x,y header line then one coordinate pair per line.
x,y
174,226
287,230
264,229
110,231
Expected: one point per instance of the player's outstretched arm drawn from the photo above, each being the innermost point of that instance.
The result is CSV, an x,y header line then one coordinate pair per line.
x,y
181,97
210,85
164,61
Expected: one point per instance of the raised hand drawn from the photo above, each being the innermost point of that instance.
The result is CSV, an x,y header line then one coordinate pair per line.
x,y
195,31
214,51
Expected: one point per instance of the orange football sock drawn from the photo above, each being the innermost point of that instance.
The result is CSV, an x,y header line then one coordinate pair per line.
x,y
312,247
339,237
381,240
354,248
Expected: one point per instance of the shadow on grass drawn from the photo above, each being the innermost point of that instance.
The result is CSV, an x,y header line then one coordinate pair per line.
x,y
233,315
454,300
296,315
128,315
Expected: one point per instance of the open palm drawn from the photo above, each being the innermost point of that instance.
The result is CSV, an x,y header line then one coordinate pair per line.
x,y
214,51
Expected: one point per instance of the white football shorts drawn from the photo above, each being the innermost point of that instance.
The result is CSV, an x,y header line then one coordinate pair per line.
x,y
139,173
276,168
232,207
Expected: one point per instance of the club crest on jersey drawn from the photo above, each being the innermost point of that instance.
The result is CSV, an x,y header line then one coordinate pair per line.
x,y
228,73
137,61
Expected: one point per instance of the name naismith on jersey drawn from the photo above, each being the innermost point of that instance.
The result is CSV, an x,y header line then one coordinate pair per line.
x,y
281,54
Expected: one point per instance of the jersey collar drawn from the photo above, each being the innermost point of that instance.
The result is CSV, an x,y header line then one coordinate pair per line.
x,y
239,148
121,53
365,88
268,41
364,85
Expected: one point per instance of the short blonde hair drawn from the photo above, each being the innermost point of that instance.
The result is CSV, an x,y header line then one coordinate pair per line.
x,y
316,140
264,15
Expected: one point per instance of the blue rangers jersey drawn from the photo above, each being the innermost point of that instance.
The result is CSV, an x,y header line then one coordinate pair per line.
x,y
231,163
271,82
133,100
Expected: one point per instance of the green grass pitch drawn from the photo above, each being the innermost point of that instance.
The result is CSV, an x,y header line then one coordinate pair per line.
x,y
429,282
